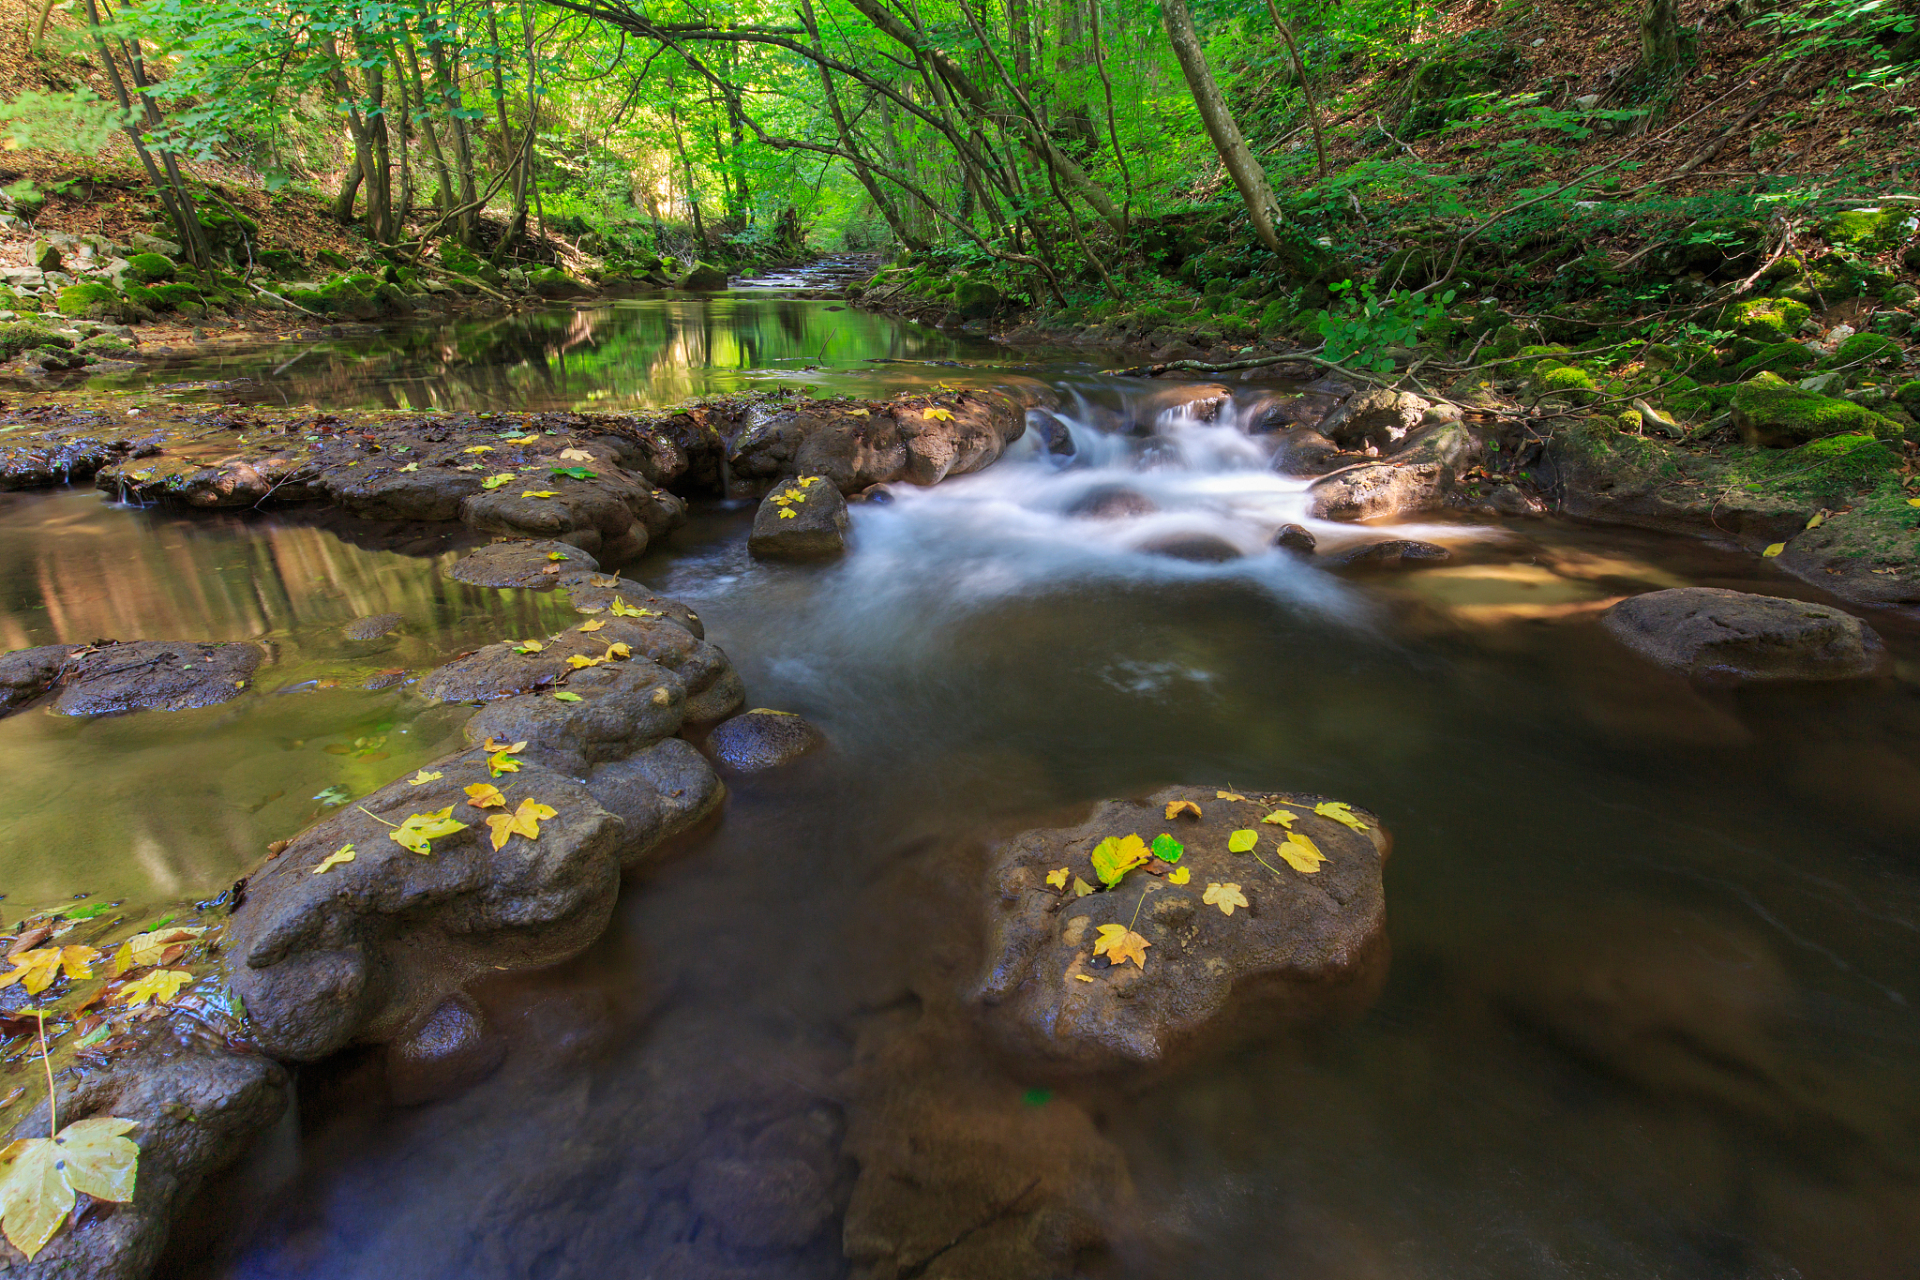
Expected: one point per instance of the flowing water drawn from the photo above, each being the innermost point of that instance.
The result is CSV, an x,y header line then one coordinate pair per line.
x,y
1655,950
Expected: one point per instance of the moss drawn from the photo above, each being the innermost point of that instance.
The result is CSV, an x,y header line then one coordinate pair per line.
x,y
1864,349
1275,315
107,344
1776,415
1566,383
91,300
1778,357
1767,320
1866,230
151,268
1700,403
175,296
22,336
1908,396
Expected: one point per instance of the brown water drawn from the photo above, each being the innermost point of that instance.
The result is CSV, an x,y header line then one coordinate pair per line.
x,y
1654,950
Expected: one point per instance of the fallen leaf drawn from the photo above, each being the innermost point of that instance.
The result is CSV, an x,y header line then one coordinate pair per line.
x,y
44,1175
1913,502
529,646
411,466
788,513
619,649
554,555
1241,841
1279,817
526,439
621,609
574,473
492,746
595,625
580,661
419,829
160,986
543,493
484,795
1167,849
36,970
1773,550
1113,858
1079,977
143,949
1302,854
564,696
1177,807
1227,795
478,448
524,821
1224,896
494,482
343,854
1819,518
1081,888
1179,875
1120,944
857,413
576,455
939,415
1340,813
1058,879
421,778
603,580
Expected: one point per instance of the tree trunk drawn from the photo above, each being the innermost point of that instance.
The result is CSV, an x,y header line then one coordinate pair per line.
x,y
1242,165
1660,35
448,80
881,200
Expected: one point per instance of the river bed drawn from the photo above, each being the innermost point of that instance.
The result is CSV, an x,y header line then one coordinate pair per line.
x,y
1654,949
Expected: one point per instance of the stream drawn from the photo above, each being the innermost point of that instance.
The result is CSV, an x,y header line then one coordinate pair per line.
x,y
1654,949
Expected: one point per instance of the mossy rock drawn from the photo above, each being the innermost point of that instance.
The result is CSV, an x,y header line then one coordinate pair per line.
x,y
1767,321
1907,396
1864,350
1698,403
1716,247
1218,287
1778,357
281,262
976,299
174,297
1276,315
1867,230
1774,414
91,300
1564,383
1535,358
107,344
21,335
548,282
337,261
151,268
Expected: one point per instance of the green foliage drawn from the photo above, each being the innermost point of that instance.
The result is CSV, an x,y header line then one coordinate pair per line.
x,y
1360,327
76,120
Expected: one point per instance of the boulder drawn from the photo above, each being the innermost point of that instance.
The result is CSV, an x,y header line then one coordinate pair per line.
x,y
1301,947
1774,414
1417,477
1195,547
377,627
762,739
806,520
25,674
535,566
1718,635
854,444
1294,540
1394,553
1112,502
159,675
703,277
1305,452
1380,418
197,1105
1767,320
1054,435
597,593
766,1202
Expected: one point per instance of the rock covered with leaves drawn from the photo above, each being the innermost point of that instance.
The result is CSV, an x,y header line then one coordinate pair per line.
x,y
532,564
918,439
1735,636
1197,912
805,520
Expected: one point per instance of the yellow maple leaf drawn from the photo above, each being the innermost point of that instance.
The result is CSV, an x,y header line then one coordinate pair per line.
x,y
1112,858
526,439
478,448
151,948
524,821
619,649
343,854
1058,879
539,493
1224,896
484,795
492,746
530,646
576,455
418,830
496,481
603,580
1179,875
1227,795
938,414
1340,813
422,778
1279,817
858,413
1120,944
1177,807
594,625
1081,888
621,609
43,1175
788,513
36,970
580,662
160,986
1302,854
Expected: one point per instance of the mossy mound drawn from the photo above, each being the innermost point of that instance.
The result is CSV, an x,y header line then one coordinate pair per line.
x,y
91,300
1864,350
1769,321
151,268
976,299
107,344
1565,383
21,336
1867,230
1778,357
1776,415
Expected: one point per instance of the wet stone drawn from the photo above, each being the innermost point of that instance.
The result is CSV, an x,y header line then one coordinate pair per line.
x,y
805,520
1112,502
1718,635
25,674
377,627
763,1203
1294,540
762,739
446,1054
529,565
1195,548
1305,947
1394,553
156,675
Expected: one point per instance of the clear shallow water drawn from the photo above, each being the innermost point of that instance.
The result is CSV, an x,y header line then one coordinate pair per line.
x,y
1655,951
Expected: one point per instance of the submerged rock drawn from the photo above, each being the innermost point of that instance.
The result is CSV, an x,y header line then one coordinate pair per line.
x,y
1301,947
1295,540
377,627
805,520
762,739
448,1053
1716,634
159,675
1197,548
1112,502
1394,553
535,566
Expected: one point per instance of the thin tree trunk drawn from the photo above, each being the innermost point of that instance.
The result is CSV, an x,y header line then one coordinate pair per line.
x,y
1660,35
171,190
881,200
448,78
686,168
443,178
1242,165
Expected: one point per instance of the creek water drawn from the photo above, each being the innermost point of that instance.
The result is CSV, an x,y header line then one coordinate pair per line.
x,y
1655,949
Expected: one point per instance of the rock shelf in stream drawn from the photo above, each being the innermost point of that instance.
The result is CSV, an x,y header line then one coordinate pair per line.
x,y
1725,636
1246,927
